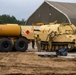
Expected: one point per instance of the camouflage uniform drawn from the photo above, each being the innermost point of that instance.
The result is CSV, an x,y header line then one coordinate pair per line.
x,y
51,36
38,43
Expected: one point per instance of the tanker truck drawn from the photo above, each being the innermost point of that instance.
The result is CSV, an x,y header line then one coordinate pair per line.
x,y
64,36
15,36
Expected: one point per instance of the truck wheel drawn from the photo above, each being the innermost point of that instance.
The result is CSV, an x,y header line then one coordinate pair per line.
x,y
5,45
21,45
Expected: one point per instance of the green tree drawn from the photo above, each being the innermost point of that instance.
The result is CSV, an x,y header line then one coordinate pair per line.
x,y
10,19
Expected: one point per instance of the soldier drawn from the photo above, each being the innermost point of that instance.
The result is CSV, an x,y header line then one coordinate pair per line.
x,y
38,43
33,43
51,36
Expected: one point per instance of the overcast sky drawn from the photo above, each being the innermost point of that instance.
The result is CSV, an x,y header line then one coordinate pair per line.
x,y
22,9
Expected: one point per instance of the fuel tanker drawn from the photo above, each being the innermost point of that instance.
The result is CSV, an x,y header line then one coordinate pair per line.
x,y
61,36
14,35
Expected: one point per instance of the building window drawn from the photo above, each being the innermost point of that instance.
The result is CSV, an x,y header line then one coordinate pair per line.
x,y
50,13
39,15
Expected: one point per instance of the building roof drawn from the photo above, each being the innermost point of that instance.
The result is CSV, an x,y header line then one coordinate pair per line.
x,y
68,9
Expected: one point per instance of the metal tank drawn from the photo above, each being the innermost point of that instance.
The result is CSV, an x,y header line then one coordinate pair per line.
x,y
63,36
10,30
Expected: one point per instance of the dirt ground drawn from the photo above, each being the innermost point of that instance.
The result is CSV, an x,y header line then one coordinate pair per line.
x,y
29,63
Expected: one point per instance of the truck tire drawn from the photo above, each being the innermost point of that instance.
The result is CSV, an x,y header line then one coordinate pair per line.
x,y
21,45
5,45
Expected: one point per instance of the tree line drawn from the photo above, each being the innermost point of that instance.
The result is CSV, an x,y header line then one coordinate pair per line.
x,y
4,19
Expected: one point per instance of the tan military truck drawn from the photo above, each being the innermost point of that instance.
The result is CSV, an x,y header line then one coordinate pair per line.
x,y
64,35
14,35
